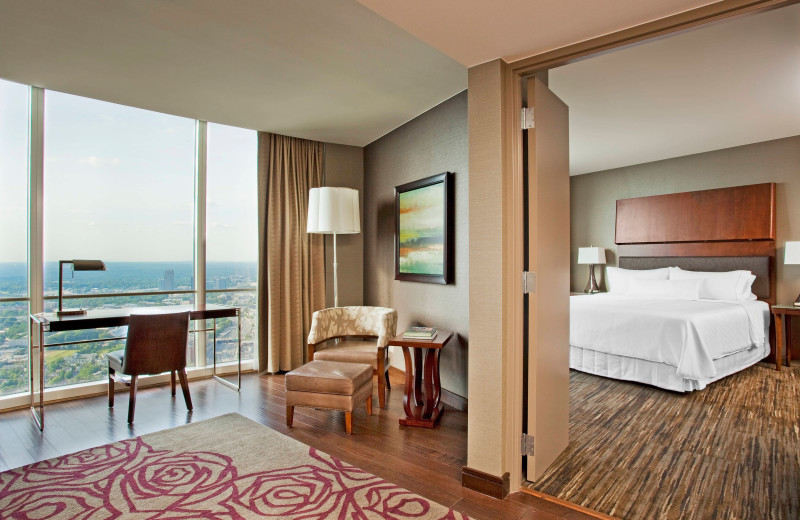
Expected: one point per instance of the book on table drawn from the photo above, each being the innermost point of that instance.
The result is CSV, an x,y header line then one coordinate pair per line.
x,y
420,333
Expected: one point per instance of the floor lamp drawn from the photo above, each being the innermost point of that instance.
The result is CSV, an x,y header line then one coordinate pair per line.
x,y
333,211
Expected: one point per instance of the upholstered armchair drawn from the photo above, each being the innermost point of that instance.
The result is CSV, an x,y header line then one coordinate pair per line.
x,y
363,333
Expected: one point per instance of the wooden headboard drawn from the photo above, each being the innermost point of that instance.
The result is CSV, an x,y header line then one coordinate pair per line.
x,y
710,230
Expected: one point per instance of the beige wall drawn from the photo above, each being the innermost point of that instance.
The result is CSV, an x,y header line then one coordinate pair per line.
x,y
594,196
487,421
344,167
430,144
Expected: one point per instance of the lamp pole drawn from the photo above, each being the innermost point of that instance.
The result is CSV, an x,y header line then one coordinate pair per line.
x,y
335,274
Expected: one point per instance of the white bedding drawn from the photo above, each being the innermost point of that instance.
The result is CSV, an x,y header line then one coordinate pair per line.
x,y
687,335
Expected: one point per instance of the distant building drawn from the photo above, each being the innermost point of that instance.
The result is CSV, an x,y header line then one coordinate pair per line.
x,y
168,283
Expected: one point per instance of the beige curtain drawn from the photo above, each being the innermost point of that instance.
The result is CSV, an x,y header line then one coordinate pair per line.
x,y
291,274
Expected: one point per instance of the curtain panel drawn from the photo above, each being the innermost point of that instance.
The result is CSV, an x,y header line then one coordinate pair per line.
x,y
291,270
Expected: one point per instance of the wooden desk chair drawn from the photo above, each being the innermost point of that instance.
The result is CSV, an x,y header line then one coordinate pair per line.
x,y
363,333
156,343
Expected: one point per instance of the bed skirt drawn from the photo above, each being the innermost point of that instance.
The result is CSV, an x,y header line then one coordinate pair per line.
x,y
659,374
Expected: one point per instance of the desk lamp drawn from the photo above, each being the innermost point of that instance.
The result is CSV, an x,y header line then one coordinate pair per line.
x,y
792,257
77,265
333,211
591,256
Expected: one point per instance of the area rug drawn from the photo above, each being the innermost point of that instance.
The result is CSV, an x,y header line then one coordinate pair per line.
x,y
224,468
731,451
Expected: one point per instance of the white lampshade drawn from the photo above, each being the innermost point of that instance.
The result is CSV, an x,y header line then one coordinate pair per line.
x,y
591,255
333,210
792,253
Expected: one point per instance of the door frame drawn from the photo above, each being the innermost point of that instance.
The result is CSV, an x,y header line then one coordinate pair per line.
x,y
513,77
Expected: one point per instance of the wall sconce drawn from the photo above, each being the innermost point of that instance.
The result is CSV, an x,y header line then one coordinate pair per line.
x,y
77,265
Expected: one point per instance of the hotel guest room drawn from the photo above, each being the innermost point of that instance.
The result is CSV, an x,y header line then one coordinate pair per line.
x,y
619,251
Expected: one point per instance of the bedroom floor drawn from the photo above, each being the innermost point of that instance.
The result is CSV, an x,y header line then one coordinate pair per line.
x,y
638,452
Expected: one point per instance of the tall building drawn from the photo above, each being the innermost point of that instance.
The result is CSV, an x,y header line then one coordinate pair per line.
x,y
168,283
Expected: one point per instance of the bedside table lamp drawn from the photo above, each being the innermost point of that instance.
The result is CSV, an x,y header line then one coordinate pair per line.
x,y
77,265
792,257
591,256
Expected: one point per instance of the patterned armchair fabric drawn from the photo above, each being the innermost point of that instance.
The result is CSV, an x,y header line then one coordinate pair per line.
x,y
380,322
374,322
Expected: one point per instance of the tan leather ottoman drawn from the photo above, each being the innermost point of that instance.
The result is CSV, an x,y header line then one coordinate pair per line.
x,y
329,384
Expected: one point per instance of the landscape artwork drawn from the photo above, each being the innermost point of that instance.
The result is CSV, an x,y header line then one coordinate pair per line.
x,y
422,230
422,237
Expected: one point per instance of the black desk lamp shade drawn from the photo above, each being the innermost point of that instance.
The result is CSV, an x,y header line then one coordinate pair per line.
x,y
77,265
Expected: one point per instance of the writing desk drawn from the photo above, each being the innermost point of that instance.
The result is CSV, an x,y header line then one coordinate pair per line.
x,y
103,318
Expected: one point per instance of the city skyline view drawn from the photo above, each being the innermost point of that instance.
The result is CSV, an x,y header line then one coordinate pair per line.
x,y
119,186
231,283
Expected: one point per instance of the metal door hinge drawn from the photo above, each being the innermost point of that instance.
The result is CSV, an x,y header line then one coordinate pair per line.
x,y
526,445
527,118
528,282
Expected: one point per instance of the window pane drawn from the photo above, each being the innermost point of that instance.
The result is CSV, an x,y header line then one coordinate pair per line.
x,y
232,234
13,347
13,237
119,187
13,189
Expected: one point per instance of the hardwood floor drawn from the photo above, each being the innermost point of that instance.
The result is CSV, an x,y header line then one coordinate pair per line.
x,y
427,462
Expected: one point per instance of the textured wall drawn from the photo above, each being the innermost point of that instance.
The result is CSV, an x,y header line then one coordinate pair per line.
x,y
487,422
344,168
594,196
432,143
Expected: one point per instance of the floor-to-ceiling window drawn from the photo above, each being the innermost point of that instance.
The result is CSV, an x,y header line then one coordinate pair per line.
x,y
119,186
231,231
13,238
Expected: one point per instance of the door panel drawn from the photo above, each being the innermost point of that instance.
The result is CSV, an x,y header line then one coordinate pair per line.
x,y
549,258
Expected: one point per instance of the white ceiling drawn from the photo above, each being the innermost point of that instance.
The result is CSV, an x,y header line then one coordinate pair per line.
x,y
477,31
724,85
335,71
328,70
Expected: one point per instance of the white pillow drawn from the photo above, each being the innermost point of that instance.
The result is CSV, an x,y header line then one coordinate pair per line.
x,y
723,285
673,289
746,288
618,280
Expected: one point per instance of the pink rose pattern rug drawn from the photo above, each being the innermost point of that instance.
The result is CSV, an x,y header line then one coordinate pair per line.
x,y
130,479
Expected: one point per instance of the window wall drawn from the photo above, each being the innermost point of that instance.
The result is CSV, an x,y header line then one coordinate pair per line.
x,y
231,225
119,186
13,238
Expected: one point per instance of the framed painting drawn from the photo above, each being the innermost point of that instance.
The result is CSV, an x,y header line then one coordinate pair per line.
x,y
423,241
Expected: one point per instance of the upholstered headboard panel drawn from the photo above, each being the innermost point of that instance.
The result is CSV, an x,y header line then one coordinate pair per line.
x,y
758,265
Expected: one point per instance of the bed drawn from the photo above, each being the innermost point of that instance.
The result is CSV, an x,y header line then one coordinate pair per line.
x,y
682,344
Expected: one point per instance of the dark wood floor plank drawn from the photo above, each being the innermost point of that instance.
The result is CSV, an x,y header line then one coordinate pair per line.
x,y
427,462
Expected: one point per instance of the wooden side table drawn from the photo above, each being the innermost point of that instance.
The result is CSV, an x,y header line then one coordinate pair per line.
x,y
421,394
783,332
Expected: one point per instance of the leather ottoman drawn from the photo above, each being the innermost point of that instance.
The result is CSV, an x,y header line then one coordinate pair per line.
x,y
329,384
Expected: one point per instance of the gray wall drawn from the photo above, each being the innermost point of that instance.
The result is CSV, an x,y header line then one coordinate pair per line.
x,y
594,197
344,168
432,143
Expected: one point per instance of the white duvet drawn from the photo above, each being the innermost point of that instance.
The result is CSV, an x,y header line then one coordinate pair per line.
x,y
688,335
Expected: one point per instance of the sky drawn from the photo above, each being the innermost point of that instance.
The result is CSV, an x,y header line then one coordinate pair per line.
x,y
119,183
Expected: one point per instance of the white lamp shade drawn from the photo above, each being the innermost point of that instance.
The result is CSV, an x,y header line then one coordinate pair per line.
x,y
591,255
333,210
792,255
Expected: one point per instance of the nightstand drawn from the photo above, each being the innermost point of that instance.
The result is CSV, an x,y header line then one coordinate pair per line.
x,y
783,332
